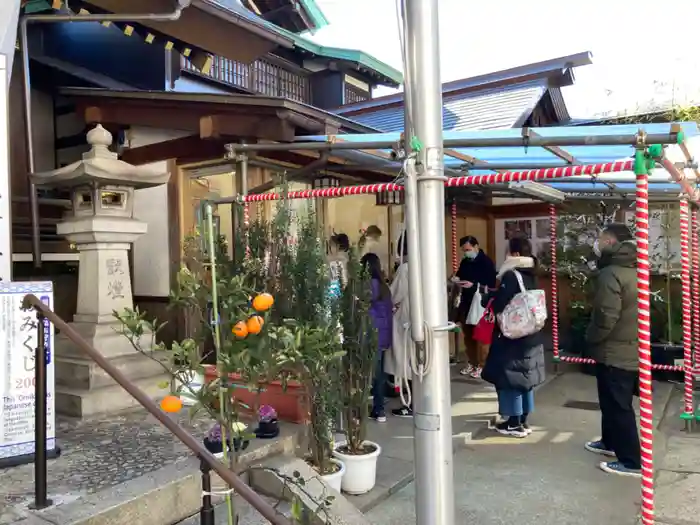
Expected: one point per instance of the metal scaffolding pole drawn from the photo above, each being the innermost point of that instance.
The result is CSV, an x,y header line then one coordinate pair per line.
x,y
432,421
483,142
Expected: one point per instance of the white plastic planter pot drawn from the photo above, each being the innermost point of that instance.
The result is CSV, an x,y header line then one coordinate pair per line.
x,y
360,470
193,384
335,479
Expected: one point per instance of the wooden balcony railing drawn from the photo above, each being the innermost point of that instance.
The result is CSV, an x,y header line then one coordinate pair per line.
x,y
262,77
353,94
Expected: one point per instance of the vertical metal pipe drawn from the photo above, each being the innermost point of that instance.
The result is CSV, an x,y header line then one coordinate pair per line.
x,y
688,404
553,276
646,421
696,287
411,209
453,216
432,404
206,513
246,206
29,139
41,500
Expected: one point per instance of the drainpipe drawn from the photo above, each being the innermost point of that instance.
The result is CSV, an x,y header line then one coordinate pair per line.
x,y
27,90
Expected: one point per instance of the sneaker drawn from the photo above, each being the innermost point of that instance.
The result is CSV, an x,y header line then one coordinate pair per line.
x,y
527,428
379,417
507,430
466,371
475,373
615,467
453,361
597,447
403,412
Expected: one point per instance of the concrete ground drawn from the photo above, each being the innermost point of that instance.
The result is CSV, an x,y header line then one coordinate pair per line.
x,y
549,478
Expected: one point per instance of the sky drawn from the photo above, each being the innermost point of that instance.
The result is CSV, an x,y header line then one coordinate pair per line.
x,y
642,56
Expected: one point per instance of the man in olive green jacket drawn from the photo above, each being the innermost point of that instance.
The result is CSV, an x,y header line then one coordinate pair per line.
x,y
612,341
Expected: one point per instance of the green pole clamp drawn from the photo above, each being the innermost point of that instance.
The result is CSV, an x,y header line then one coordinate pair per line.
x,y
556,359
656,151
680,138
640,162
416,144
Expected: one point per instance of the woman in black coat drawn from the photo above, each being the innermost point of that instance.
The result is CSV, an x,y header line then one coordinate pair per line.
x,y
514,366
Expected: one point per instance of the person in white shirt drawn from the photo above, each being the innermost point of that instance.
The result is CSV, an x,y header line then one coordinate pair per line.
x,y
372,242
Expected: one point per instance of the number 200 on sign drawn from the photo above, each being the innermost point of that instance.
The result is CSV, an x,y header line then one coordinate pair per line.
x,y
26,382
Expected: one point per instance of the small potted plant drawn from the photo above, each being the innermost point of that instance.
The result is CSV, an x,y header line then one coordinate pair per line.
x,y
359,362
213,442
268,425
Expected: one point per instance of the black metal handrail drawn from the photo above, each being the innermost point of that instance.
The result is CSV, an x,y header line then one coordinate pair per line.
x,y
40,483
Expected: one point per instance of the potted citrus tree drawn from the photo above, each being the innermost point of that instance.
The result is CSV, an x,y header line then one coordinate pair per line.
x,y
358,364
314,351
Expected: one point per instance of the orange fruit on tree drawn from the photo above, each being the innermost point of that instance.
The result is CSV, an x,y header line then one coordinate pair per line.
x,y
255,324
240,330
263,302
171,404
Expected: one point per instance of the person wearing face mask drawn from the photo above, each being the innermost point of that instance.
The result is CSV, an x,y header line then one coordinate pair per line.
x,y
476,271
612,341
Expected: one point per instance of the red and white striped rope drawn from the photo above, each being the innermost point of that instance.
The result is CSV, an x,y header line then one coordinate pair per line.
x,y
493,178
589,361
646,422
541,174
455,258
246,227
553,276
686,306
695,252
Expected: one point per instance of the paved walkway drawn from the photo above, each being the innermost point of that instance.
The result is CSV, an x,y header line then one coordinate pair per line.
x,y
547,478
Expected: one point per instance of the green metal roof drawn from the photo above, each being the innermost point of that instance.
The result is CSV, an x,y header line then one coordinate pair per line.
x,y
317,17
37,6
391,75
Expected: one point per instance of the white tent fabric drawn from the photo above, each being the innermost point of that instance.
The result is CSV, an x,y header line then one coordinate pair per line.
x,y
9,16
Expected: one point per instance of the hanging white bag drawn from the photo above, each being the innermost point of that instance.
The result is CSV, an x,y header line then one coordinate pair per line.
x,y
525,314
476,311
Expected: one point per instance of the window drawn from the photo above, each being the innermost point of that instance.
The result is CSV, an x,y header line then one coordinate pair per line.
x,y
534,228
264,77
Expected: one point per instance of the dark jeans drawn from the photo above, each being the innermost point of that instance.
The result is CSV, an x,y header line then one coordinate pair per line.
x,y
378,384
616,390
514,403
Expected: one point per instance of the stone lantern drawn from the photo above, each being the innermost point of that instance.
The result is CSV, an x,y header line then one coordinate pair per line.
x,y
103,228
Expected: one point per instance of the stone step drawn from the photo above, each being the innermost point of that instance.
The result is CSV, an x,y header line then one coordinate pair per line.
x,y
163,497
85,374
77,402
246,513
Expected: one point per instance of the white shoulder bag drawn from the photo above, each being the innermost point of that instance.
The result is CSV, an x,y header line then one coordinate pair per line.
x,y
525,314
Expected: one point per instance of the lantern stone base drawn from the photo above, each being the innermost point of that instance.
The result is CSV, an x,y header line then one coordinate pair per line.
x,y
83,389
104,287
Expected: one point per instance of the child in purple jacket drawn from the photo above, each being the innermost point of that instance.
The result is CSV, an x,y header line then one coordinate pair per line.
x,y
381,312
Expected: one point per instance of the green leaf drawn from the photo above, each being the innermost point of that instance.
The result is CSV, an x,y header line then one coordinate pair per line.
x,y
297,509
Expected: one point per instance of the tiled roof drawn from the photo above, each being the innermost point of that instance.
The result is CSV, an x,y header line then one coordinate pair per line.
x,y
503,107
